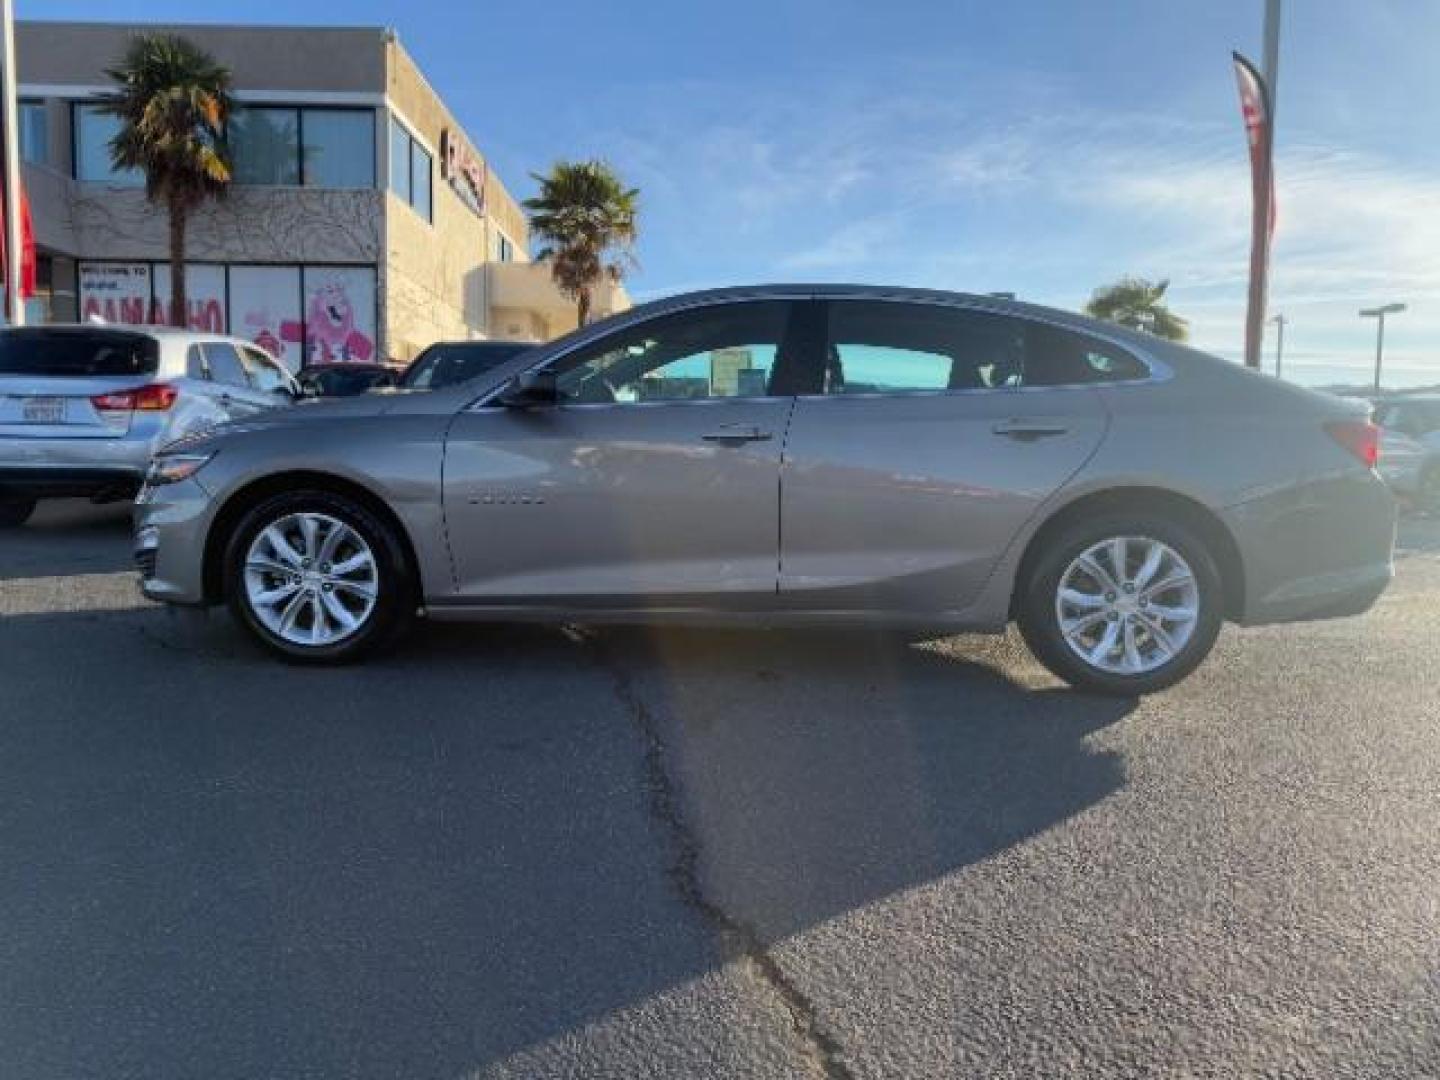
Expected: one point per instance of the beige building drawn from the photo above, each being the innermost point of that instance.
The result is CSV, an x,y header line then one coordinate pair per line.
x,y
363,222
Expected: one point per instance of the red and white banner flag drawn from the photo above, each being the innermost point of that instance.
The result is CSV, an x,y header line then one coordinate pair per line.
x,y
1255,110
27,247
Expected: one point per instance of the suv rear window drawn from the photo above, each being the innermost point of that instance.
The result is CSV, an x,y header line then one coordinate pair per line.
x,y
77,352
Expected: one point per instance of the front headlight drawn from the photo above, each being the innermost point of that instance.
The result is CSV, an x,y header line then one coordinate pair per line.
x,y
172,468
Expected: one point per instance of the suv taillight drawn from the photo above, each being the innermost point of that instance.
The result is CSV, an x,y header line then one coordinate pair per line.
x,y
1360,437
157,397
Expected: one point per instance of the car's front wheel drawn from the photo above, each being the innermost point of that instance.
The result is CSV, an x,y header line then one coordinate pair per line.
x,y
15,512
1123,605
318,577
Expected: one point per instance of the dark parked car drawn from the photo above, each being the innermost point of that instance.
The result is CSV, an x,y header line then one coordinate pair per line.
x,y
345,380
447,363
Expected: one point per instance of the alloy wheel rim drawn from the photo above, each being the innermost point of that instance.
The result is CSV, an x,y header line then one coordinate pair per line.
x,y
1127,605
311,579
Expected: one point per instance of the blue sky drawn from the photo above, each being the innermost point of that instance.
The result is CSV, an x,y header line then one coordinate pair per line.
x,y
1039,147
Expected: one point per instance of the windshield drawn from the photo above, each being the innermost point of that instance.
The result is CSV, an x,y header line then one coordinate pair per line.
x,y
77,353
449,363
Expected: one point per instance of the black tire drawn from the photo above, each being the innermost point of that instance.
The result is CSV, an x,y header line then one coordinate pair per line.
x,y
15,512
395,601
1040,625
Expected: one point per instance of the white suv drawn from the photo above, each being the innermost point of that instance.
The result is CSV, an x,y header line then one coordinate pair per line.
x,y
82,408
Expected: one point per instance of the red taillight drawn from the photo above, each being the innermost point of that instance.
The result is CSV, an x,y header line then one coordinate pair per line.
x,y
1360,437
157,397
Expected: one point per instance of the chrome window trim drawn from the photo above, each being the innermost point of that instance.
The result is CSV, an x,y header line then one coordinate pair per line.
x,y
1158,370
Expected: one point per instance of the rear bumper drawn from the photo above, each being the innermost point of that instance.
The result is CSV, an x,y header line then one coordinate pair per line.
x,y
44,468
69,482
1319,550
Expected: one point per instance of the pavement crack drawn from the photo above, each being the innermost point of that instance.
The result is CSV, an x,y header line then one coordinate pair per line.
x,y
737,938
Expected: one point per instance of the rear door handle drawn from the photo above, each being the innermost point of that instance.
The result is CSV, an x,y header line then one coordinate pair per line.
x,y
1029,430
736,433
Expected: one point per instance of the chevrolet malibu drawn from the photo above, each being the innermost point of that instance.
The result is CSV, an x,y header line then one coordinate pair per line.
x,y
799,455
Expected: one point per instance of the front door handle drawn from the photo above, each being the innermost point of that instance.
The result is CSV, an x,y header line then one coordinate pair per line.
x,y
1029,430
736,433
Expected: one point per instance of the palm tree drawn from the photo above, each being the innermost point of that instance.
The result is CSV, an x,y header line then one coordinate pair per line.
x,y
172,99
1140,305
586,218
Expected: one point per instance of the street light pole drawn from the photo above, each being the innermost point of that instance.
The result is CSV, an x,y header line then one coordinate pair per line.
x,y
1379,313
1279,320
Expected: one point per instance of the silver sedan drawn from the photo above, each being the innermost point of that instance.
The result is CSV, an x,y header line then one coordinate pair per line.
x,y
796,455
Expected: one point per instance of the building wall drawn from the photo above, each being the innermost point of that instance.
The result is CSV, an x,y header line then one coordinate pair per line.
x,y
434,281
312,59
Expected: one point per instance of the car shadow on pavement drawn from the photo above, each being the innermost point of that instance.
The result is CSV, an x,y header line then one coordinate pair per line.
x,y
69,536
220,865
823,772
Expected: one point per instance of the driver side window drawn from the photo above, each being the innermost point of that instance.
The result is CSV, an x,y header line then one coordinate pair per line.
x,y
738,350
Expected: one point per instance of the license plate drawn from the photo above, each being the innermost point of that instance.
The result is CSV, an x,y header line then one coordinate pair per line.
x,y
42,410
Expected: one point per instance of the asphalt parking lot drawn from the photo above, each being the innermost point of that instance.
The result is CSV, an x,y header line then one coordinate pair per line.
x,y
533,852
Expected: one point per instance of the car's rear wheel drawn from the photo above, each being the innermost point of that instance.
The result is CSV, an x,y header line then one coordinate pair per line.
x,y
1124,605
318,577
15,512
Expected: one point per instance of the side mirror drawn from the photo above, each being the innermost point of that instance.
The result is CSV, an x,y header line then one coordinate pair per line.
x,y
531,390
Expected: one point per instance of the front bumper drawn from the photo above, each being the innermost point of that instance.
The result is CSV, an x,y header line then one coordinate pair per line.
x,y
1317,550
171,524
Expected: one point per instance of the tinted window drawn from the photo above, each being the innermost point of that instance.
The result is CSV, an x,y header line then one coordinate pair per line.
x,y
338,381
224,364
453,362
34,133
420,169
263,372
726,351
265,146
51,352
93,132
879,347
339,149
1056,357
399,160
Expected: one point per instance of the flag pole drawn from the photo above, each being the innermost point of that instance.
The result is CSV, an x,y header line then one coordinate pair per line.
x,y
14,250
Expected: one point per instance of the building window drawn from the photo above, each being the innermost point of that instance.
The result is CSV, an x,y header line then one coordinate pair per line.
x,y
410,169
504,249
265,146
330,148
339,148
34,133
93,132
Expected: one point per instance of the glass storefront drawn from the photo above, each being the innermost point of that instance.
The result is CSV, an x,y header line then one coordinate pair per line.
x,y
300,314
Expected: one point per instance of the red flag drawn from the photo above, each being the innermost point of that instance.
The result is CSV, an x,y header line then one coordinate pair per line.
x,y
27,245
1255,110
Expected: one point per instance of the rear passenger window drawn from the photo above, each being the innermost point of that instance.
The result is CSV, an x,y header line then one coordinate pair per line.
x,y
1056,357
886,347
225,364
896,347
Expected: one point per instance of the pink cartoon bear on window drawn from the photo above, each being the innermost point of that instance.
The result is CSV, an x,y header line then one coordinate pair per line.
x,y
330,327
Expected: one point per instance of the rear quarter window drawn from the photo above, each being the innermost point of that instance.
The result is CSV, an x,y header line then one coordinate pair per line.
x,y
1056,357
77,353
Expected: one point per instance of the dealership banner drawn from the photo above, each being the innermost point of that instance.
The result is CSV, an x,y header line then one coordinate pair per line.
x,y
1255,111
